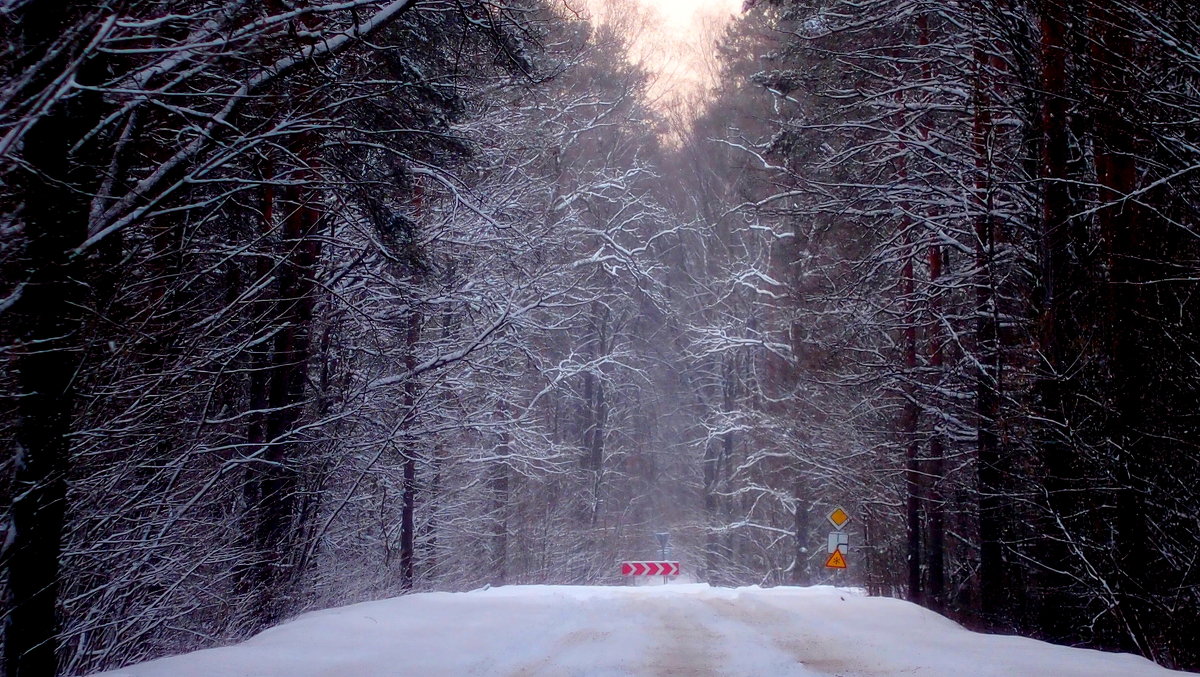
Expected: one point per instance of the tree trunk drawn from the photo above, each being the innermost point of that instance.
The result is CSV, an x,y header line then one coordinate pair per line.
x,y
1122,232
500,491
800,528
935,506
711,463
408,511
934,503
1057,278
275,482
910,413
47,315
989,481
415,268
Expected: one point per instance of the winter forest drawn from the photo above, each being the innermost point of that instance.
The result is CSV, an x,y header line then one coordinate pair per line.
x,y
308,302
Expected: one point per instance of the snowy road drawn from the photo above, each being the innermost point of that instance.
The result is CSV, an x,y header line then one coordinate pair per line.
x,y
656,631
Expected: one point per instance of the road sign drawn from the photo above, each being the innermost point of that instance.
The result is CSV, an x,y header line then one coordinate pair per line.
x,y
649,568
664,550
836,560
839,541
839,518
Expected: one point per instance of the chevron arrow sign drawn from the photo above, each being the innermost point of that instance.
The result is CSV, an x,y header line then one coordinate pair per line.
x,y
649,568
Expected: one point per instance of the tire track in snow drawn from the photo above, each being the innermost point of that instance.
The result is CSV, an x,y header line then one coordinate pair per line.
x,y
550,663
698,636
683,646
816,651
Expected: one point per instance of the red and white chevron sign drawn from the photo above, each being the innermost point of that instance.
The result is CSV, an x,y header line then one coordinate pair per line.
x,y
649,568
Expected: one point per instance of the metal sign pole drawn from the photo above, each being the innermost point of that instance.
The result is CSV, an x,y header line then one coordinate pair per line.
x,y
663,538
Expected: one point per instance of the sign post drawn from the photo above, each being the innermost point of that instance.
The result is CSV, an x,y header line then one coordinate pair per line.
x,y
839,541
664,538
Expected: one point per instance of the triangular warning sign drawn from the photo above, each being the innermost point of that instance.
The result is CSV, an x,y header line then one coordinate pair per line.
x,y
836,560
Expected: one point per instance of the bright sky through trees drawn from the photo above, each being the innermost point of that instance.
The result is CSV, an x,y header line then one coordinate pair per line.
x,y
677,45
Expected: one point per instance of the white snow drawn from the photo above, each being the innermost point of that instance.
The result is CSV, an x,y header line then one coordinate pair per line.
x,y
688,629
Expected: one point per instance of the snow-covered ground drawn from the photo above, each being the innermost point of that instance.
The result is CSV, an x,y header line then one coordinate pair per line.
x,y
667,630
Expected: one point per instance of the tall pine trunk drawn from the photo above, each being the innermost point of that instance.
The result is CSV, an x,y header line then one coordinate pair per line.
x,y
935,506
910,411
1122,232
1057,277
48,316
409,491
282,385
500,498
989,481
934,503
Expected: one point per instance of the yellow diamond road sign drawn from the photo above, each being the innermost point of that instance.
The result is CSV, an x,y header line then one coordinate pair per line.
x,y
839,518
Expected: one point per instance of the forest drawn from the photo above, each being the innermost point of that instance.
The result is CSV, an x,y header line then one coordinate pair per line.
x,y
309,302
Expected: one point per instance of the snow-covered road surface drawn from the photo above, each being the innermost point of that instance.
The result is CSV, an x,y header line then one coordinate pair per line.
x,y
683,630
